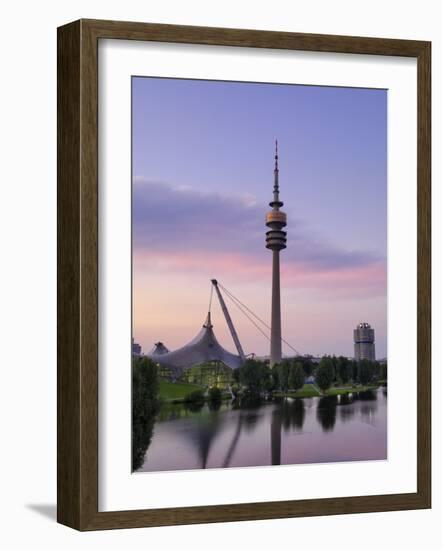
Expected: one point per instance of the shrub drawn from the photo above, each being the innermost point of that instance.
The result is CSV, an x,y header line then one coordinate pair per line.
x,y
196,396
214,394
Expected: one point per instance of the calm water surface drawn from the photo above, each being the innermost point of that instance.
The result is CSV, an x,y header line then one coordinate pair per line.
x,y
285,431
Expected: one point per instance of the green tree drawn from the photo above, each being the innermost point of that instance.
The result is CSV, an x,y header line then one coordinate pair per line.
x,y
270,379
296,376
354,371
145,406
254,376
376,372
325,373
235,375
307,365
283,375
383,371
326,412
365,371
144,389
335,362
343,369
275,376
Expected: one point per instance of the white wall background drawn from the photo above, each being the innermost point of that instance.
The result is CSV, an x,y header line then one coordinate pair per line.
x,y
28,269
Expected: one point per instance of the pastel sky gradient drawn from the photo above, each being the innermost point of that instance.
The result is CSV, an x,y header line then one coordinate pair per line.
x,y
202,179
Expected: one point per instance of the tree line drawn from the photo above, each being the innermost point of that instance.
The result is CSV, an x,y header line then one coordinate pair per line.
x,y
341,370
257,377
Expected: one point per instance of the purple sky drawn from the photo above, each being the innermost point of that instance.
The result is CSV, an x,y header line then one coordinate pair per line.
x,y
202,179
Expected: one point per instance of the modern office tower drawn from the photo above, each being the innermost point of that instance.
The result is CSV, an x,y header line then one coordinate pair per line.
x,y
276,240
363,336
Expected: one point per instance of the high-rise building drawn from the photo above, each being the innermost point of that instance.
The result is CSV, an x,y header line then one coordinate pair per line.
x,y
276,240
363,336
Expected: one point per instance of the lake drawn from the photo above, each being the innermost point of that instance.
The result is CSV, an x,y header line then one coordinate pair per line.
x,y
283,431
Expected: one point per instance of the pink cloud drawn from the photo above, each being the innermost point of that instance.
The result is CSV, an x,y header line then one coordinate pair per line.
x,y
357,281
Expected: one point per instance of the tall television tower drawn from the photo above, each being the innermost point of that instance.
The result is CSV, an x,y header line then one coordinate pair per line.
x,y
276,240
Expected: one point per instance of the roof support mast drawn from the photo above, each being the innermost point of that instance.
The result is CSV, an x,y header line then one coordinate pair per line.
x,y
229,321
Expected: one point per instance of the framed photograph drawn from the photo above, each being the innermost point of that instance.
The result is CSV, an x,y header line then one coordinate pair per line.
x,y
243,274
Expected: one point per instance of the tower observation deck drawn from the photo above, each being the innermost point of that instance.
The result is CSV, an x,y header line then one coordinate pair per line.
x,y
276,240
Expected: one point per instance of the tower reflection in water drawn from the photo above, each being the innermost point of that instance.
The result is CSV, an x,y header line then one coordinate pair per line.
x,y
289,415
222,435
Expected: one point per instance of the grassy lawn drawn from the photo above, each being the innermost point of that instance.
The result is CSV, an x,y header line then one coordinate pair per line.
x,y
307,390
177,390
348,389
311,390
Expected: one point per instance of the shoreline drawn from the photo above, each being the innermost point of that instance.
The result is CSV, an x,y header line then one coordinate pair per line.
x,y
303,393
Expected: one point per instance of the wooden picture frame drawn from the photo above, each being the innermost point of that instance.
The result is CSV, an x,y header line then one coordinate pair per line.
x,y
77,225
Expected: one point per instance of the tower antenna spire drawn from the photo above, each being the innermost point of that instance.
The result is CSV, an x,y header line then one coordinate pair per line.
x,y
276,175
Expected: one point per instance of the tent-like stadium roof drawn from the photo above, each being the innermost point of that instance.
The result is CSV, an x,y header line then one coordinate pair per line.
x,y
203,348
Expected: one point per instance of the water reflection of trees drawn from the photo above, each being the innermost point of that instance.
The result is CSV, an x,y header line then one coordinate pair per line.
x,y
251,410
194,406
368,395
326,412
346,399
328,407
368,407
247,401
346,407
141,438
293,414
175,411
214,405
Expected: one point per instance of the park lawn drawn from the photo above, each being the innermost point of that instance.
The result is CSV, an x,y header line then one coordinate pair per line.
x,y
348,389
178,390
307,390
311,390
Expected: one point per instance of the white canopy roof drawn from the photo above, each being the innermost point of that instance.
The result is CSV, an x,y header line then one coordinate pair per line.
x,y
203,348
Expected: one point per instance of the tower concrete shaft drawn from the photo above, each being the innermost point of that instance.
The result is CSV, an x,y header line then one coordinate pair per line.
x,y
275,340
276,240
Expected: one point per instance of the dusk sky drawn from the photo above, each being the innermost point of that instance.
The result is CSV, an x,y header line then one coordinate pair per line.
x,y
202,179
